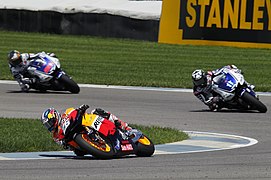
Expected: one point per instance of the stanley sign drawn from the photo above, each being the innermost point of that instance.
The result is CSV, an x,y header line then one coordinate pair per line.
x,y
242,23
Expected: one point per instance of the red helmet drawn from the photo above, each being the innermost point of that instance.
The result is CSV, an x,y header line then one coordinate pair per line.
x,y
50,119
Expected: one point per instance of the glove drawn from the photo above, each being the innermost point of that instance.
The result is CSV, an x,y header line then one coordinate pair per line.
x,y
52,55
252,86
233,66
101,112
83,108
236,69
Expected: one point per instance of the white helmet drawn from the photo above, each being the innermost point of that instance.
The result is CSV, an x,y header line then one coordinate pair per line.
x,y
199,77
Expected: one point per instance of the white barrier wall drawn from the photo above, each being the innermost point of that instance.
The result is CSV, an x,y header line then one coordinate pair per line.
x,y
106,18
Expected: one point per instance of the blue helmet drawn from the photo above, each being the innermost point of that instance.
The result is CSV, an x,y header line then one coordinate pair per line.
x,y
50,119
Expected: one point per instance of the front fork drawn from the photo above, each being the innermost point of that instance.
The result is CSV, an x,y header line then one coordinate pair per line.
x,y
59,74
247,89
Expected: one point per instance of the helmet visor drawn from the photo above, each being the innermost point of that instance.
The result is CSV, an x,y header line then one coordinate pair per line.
x,y
15,62
49,125
200,82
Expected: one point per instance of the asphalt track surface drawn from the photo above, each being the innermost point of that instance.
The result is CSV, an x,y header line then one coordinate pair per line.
x,y
180,110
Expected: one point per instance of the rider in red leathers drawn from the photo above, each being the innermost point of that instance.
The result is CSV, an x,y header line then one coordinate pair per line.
x,y
58,126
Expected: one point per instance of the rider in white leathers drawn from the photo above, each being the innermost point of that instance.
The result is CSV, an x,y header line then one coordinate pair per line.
x,y
18,64
202,89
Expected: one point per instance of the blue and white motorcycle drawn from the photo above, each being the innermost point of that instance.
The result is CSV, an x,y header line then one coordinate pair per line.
x,y
49,75
235,92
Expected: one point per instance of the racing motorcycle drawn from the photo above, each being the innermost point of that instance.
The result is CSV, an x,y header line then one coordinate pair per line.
x,y
235,92
100,138
49,75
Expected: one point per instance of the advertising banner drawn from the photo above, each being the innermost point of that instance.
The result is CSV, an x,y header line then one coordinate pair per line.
x,y
242,23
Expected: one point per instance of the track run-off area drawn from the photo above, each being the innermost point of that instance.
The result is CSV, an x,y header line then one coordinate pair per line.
x,y
222,145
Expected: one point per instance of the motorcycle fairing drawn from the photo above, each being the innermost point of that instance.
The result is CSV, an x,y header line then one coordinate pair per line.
x,y
44,67
226,81
99,123
144,140
226,84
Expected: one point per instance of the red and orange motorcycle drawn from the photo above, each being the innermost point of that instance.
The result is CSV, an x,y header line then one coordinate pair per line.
x,y
99,137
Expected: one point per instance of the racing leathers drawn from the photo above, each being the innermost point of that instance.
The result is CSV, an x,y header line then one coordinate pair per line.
x,y
205,94
20,72
60,135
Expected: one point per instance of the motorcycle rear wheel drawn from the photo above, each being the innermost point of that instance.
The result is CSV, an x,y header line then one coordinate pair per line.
x,y
254,102
101,149
145,147
69,84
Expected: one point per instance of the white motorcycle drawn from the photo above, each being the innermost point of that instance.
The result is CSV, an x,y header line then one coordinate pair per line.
x,y
235,92
49,75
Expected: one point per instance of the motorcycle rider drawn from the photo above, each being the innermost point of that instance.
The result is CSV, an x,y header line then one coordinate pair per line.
x,y
55,122
18,64
202,89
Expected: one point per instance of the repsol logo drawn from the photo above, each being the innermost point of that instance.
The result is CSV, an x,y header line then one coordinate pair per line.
x,y
235,14
98,123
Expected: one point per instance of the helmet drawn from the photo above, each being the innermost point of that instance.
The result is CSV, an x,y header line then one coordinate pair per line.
x,y
199,77
14,57
50,118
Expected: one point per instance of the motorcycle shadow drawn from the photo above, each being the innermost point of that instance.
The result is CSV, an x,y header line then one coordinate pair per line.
x,y
59,156
86,157
38,92
226,111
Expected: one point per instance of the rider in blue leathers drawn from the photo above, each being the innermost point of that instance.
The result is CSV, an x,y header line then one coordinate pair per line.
x,y
18,64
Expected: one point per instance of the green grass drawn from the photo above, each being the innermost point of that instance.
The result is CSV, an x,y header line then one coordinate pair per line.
x,y
22,135
27,135
136,63
161,135
108,61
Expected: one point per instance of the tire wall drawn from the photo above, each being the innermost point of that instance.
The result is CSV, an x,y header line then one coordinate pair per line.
x,y
104,25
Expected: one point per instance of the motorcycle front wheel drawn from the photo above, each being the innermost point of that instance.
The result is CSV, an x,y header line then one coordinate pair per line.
x,y
99,148
145,147
254,102
69,84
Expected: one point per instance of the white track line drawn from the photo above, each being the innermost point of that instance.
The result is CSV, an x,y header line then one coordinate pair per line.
x,y
198,142
134,88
